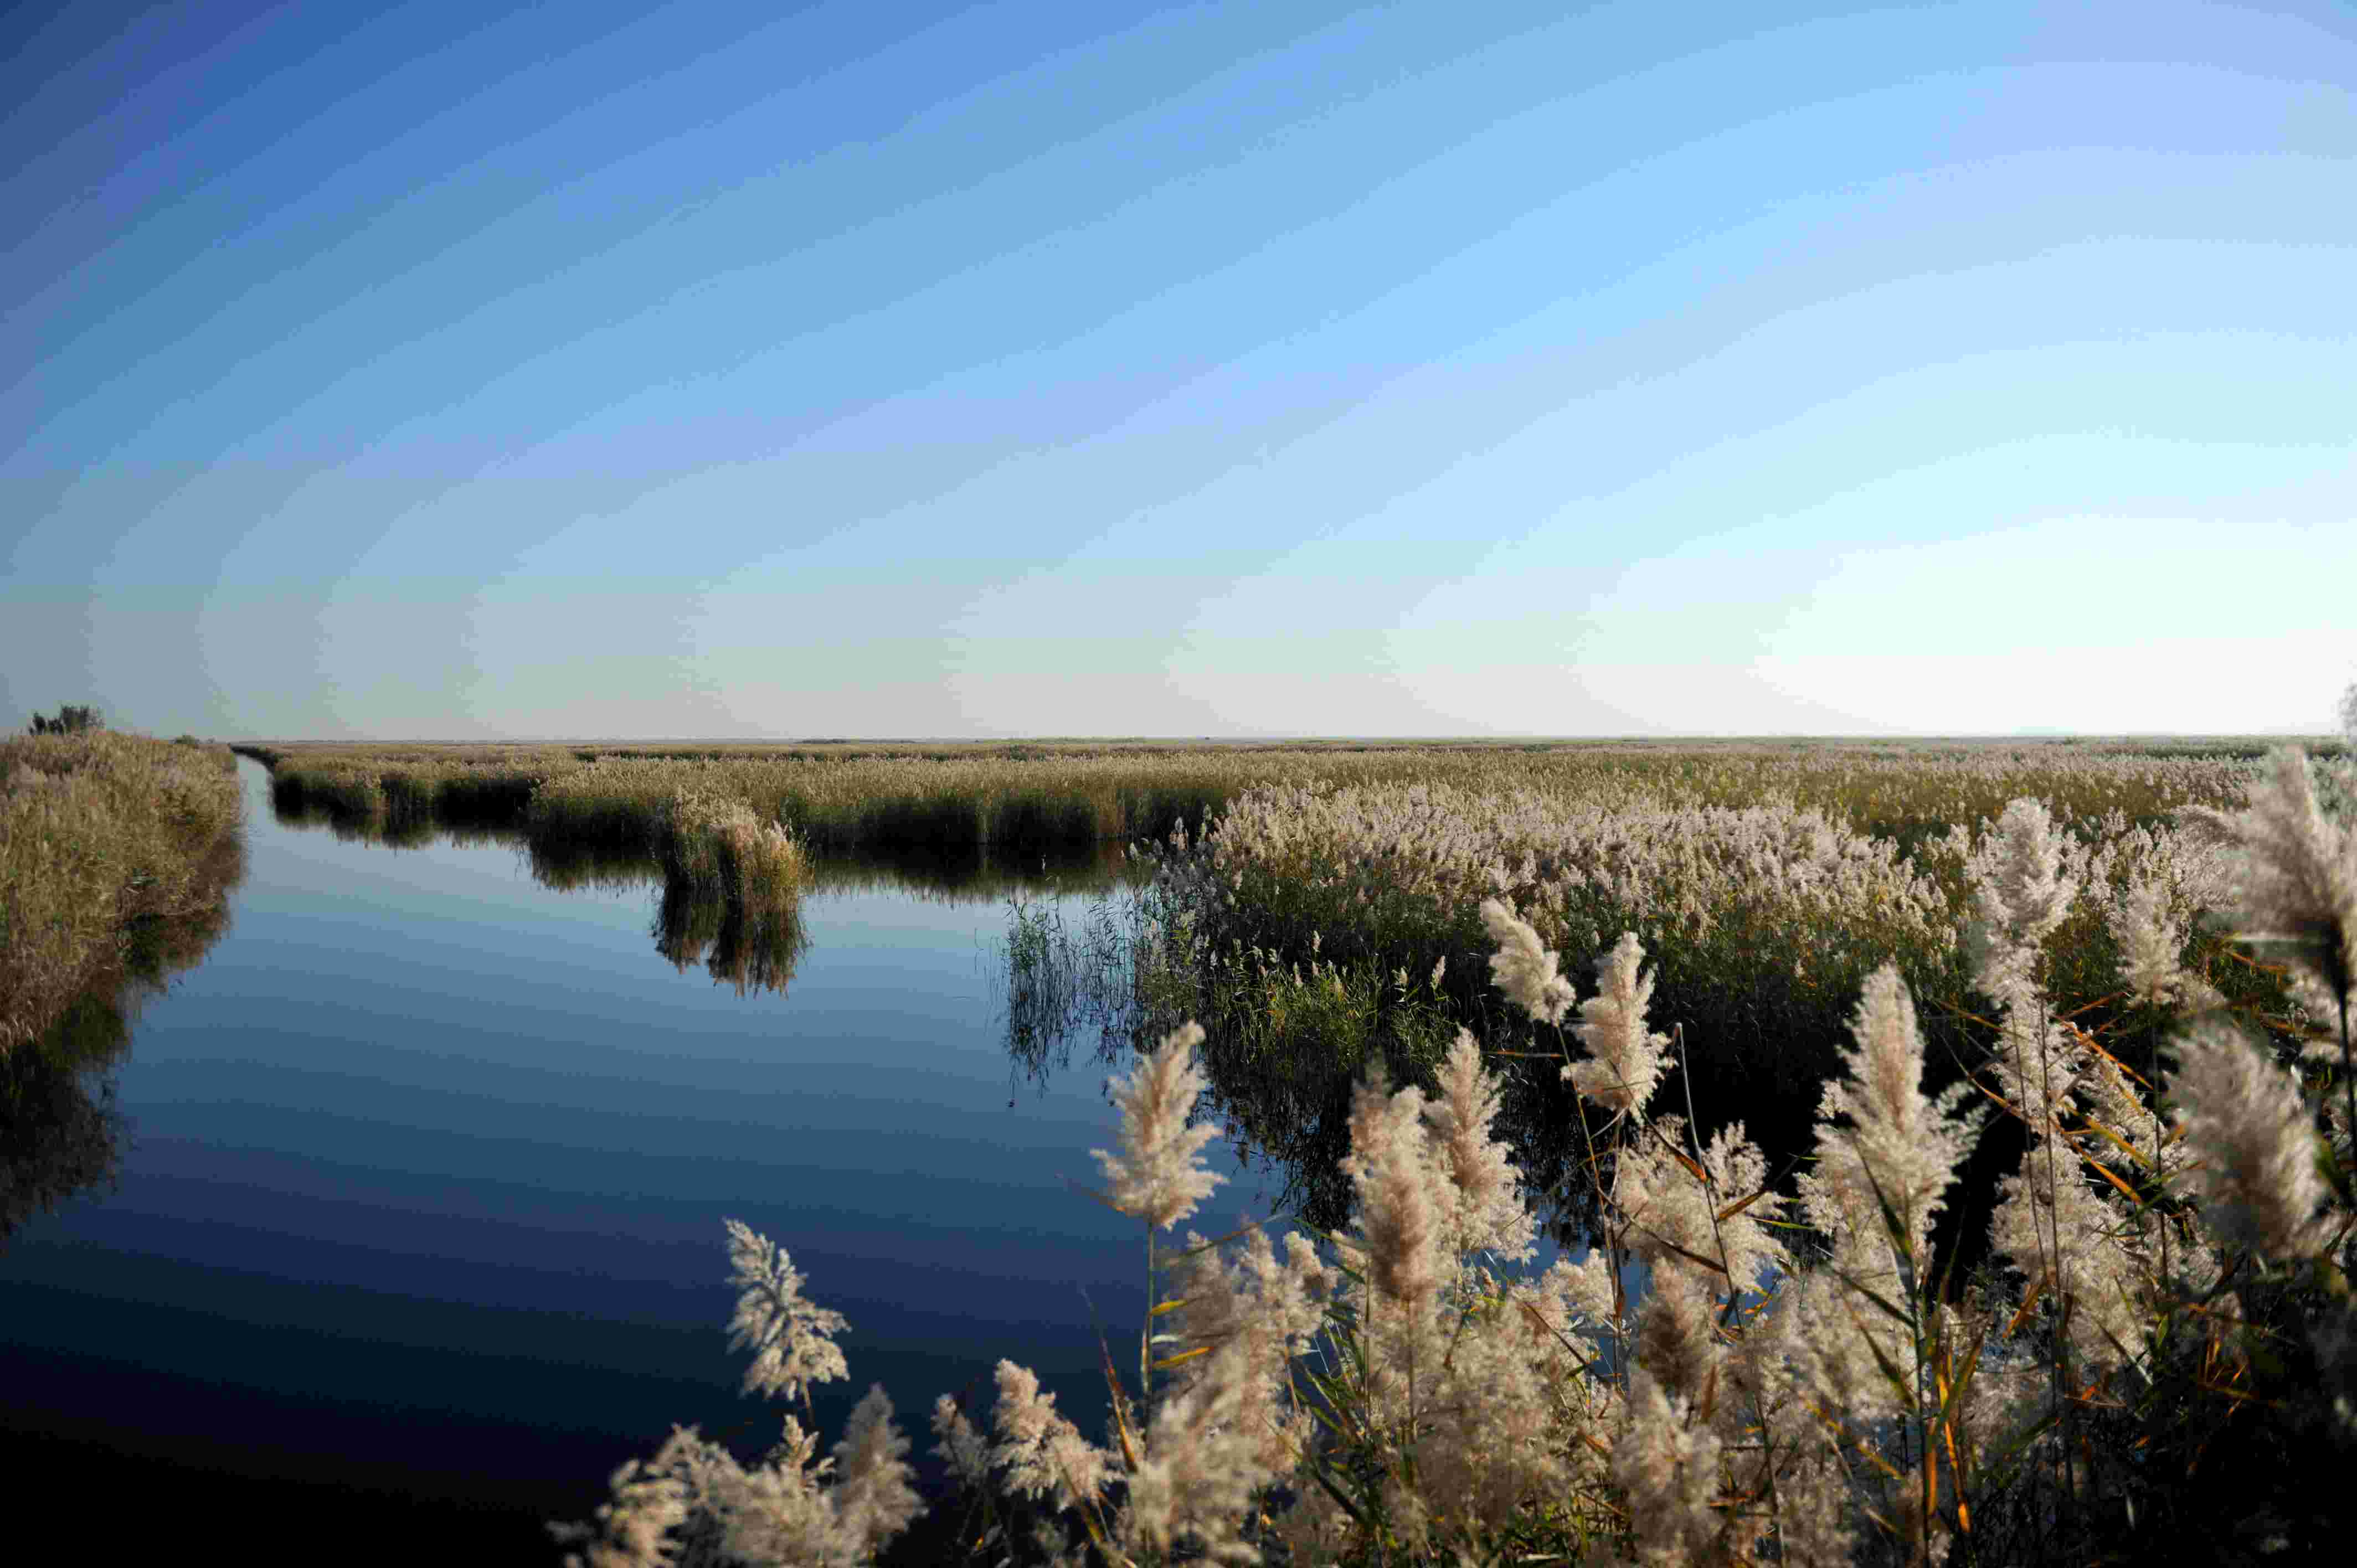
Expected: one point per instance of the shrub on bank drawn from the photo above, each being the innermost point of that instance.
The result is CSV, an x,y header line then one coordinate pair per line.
x,y
1047,798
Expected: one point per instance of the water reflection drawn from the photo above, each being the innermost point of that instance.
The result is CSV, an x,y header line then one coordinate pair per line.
x,y
431,1164
1284,1092
61,1135
755,949
1064,981
570,867
956,877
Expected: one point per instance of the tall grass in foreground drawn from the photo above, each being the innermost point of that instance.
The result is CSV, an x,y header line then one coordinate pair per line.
x,y
101,831
2173,1297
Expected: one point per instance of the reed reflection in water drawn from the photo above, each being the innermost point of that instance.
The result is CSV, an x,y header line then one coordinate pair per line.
x,y
750,934
753,945
61,1135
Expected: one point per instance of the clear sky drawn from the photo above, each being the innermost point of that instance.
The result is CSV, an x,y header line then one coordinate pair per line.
x,y
1282,368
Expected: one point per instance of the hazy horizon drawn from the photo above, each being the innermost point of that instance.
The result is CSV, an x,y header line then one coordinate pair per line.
x,y
1223,370
2287,732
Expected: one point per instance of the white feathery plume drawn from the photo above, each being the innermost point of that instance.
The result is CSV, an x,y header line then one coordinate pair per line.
x,y
2071,1242
1043,1453
1677,1330
792,1340
1490,1421
964,1450
1669,1467
1671,1214
651,1499
1898,1140
1404,1204
1490,1216
2295,873
1202,1467
1625,1060
2251,1144
1575,1299
2021,889
1267,1310
2150,940
1159,1175
780,1511
1522,967
873,1498
1879,1140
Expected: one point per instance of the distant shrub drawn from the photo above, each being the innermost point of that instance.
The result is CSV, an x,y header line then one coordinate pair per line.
x,y
70,720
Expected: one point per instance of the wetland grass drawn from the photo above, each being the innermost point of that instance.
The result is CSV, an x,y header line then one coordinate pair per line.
x,y
2168,1292
1063,798
732,895
102,836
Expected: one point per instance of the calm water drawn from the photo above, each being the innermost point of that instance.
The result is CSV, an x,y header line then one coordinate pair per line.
x,y
420,1208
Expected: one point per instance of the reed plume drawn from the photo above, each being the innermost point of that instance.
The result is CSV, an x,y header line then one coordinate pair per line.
x,y
791,1339
1158,1174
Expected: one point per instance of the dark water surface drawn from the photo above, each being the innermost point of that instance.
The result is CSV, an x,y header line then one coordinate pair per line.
x,y
418,1227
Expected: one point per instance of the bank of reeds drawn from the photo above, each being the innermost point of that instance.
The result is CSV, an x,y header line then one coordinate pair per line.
x,y
101,835
1036,798
390,788
61,1133
2161,1363
861,805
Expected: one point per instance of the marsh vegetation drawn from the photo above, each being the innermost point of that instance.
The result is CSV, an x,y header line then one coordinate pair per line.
x,y
1995,1156
108,842
1976,1119
61,1135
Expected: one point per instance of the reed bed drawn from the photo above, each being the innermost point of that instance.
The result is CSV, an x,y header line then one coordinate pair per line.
x,y
1799,1384
1319,927
389,788
732,887
1051,797
102,836
861,804
61,1133
718,846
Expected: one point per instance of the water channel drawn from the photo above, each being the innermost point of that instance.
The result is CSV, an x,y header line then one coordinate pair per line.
x,y
416,1217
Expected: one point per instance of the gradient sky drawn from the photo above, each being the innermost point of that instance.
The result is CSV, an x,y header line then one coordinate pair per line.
x,y
1438,369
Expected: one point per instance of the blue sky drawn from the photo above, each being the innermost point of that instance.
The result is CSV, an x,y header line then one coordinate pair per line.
x,y
886,369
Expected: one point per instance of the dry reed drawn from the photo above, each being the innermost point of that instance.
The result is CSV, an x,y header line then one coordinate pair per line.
x,y
99,831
